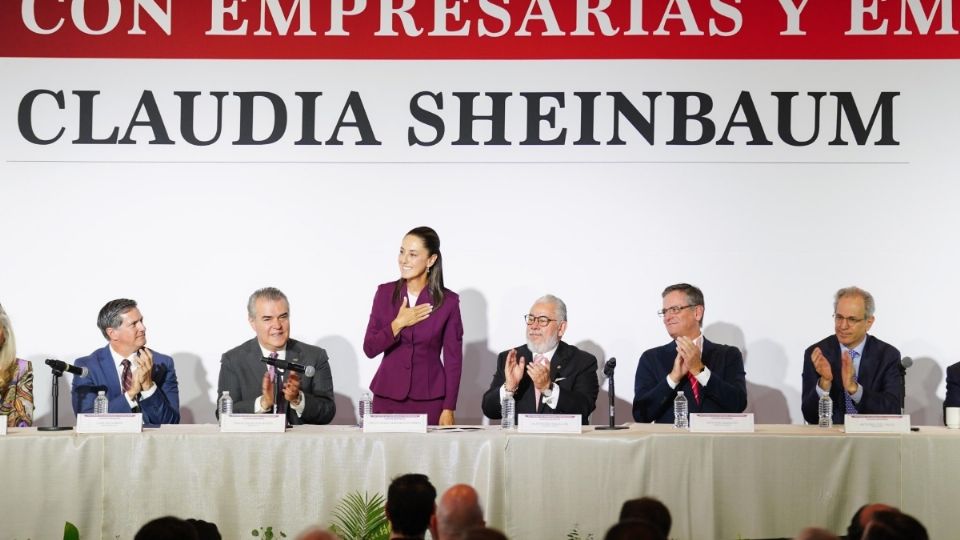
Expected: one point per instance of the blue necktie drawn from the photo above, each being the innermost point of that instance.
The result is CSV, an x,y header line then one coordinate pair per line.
x,y
848,400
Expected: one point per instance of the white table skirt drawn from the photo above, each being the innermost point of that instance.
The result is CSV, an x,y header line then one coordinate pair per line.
x,y
766,484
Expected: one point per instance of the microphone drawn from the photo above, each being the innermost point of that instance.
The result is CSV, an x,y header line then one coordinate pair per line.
x,y
905,363
307,371
60,365
609,367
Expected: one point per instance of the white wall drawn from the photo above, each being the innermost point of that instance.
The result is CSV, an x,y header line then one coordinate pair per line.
x,y
769,233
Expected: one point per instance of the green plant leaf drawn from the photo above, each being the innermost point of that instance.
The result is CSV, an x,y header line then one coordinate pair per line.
x,y
360,517
70,531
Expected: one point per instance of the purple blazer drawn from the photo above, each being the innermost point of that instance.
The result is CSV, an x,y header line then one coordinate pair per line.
x,y
411,366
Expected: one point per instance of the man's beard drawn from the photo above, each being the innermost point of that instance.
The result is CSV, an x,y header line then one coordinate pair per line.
x,y
549,344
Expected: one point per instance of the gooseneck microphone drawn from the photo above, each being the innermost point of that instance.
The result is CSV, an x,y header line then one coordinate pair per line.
x,y
61,366
608,369
307,371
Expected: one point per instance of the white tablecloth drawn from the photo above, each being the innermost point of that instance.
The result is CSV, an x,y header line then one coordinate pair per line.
x,y
766,484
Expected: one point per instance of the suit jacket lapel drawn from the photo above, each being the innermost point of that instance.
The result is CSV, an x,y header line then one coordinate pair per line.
x,y
867,364
109,369
706,356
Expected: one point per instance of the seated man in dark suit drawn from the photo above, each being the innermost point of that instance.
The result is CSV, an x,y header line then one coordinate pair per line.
x,y
134,378
546,375
860,372
710,375
250,381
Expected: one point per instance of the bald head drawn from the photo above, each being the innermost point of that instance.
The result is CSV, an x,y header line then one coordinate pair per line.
x,y
863,516
458,510
815,533
316,533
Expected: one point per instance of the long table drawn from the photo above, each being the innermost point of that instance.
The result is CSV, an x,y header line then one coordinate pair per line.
x,y
767,484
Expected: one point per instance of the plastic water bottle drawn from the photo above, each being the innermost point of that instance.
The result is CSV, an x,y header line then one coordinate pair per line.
x,y
680,411
366,406
101,405
507,410
225,404
826,411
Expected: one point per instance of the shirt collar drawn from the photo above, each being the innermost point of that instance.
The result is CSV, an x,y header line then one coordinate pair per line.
x,y
858,347
117,358
281,354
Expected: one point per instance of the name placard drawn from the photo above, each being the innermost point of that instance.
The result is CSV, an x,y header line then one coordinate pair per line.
x,y
110,423
721,423
3,424
876,423
549,423
395,423
252,423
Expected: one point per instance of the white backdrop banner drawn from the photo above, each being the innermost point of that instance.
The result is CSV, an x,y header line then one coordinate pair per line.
x,y
597,150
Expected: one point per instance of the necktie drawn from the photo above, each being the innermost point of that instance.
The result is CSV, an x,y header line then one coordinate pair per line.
x,y
694,387
539,359
126,377
847,399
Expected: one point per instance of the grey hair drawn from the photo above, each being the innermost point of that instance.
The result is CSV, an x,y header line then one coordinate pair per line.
x,y
558,304
8,350
111,314
268,293
693,293
868,303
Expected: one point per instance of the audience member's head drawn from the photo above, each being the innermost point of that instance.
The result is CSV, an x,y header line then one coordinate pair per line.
x,y
815,533
648,509
167,528
894,525
316,533
484,533
635,529
205,529
458,510
862,516
411,500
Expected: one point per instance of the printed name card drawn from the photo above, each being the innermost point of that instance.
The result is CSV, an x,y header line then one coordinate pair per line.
x,y
252,423
876,423
721,423
110,423
549,423
3,424
395,423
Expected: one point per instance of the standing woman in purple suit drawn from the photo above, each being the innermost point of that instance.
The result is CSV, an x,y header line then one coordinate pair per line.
x,y
414,321
16,379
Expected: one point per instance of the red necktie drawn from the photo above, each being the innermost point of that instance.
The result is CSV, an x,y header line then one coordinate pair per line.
x,y
694,387
126,377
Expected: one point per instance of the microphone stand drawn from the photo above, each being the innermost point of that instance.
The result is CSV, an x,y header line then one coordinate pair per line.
x,y
613,398
903,389
56,405
278,383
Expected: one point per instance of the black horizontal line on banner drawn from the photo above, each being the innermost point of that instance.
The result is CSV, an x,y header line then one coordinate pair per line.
x,y
487,162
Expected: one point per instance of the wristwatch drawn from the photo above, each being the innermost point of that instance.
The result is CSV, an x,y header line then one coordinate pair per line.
x,y
548,392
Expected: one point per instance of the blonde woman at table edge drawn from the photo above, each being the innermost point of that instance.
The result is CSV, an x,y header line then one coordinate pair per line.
x,y
16,379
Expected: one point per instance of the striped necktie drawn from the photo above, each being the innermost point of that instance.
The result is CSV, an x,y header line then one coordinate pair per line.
x,y
847,399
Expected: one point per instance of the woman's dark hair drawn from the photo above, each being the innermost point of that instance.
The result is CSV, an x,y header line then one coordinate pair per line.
x,y
431,241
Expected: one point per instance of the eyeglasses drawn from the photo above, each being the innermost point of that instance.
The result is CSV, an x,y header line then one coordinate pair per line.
x,y
673,310
542,320
839,319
